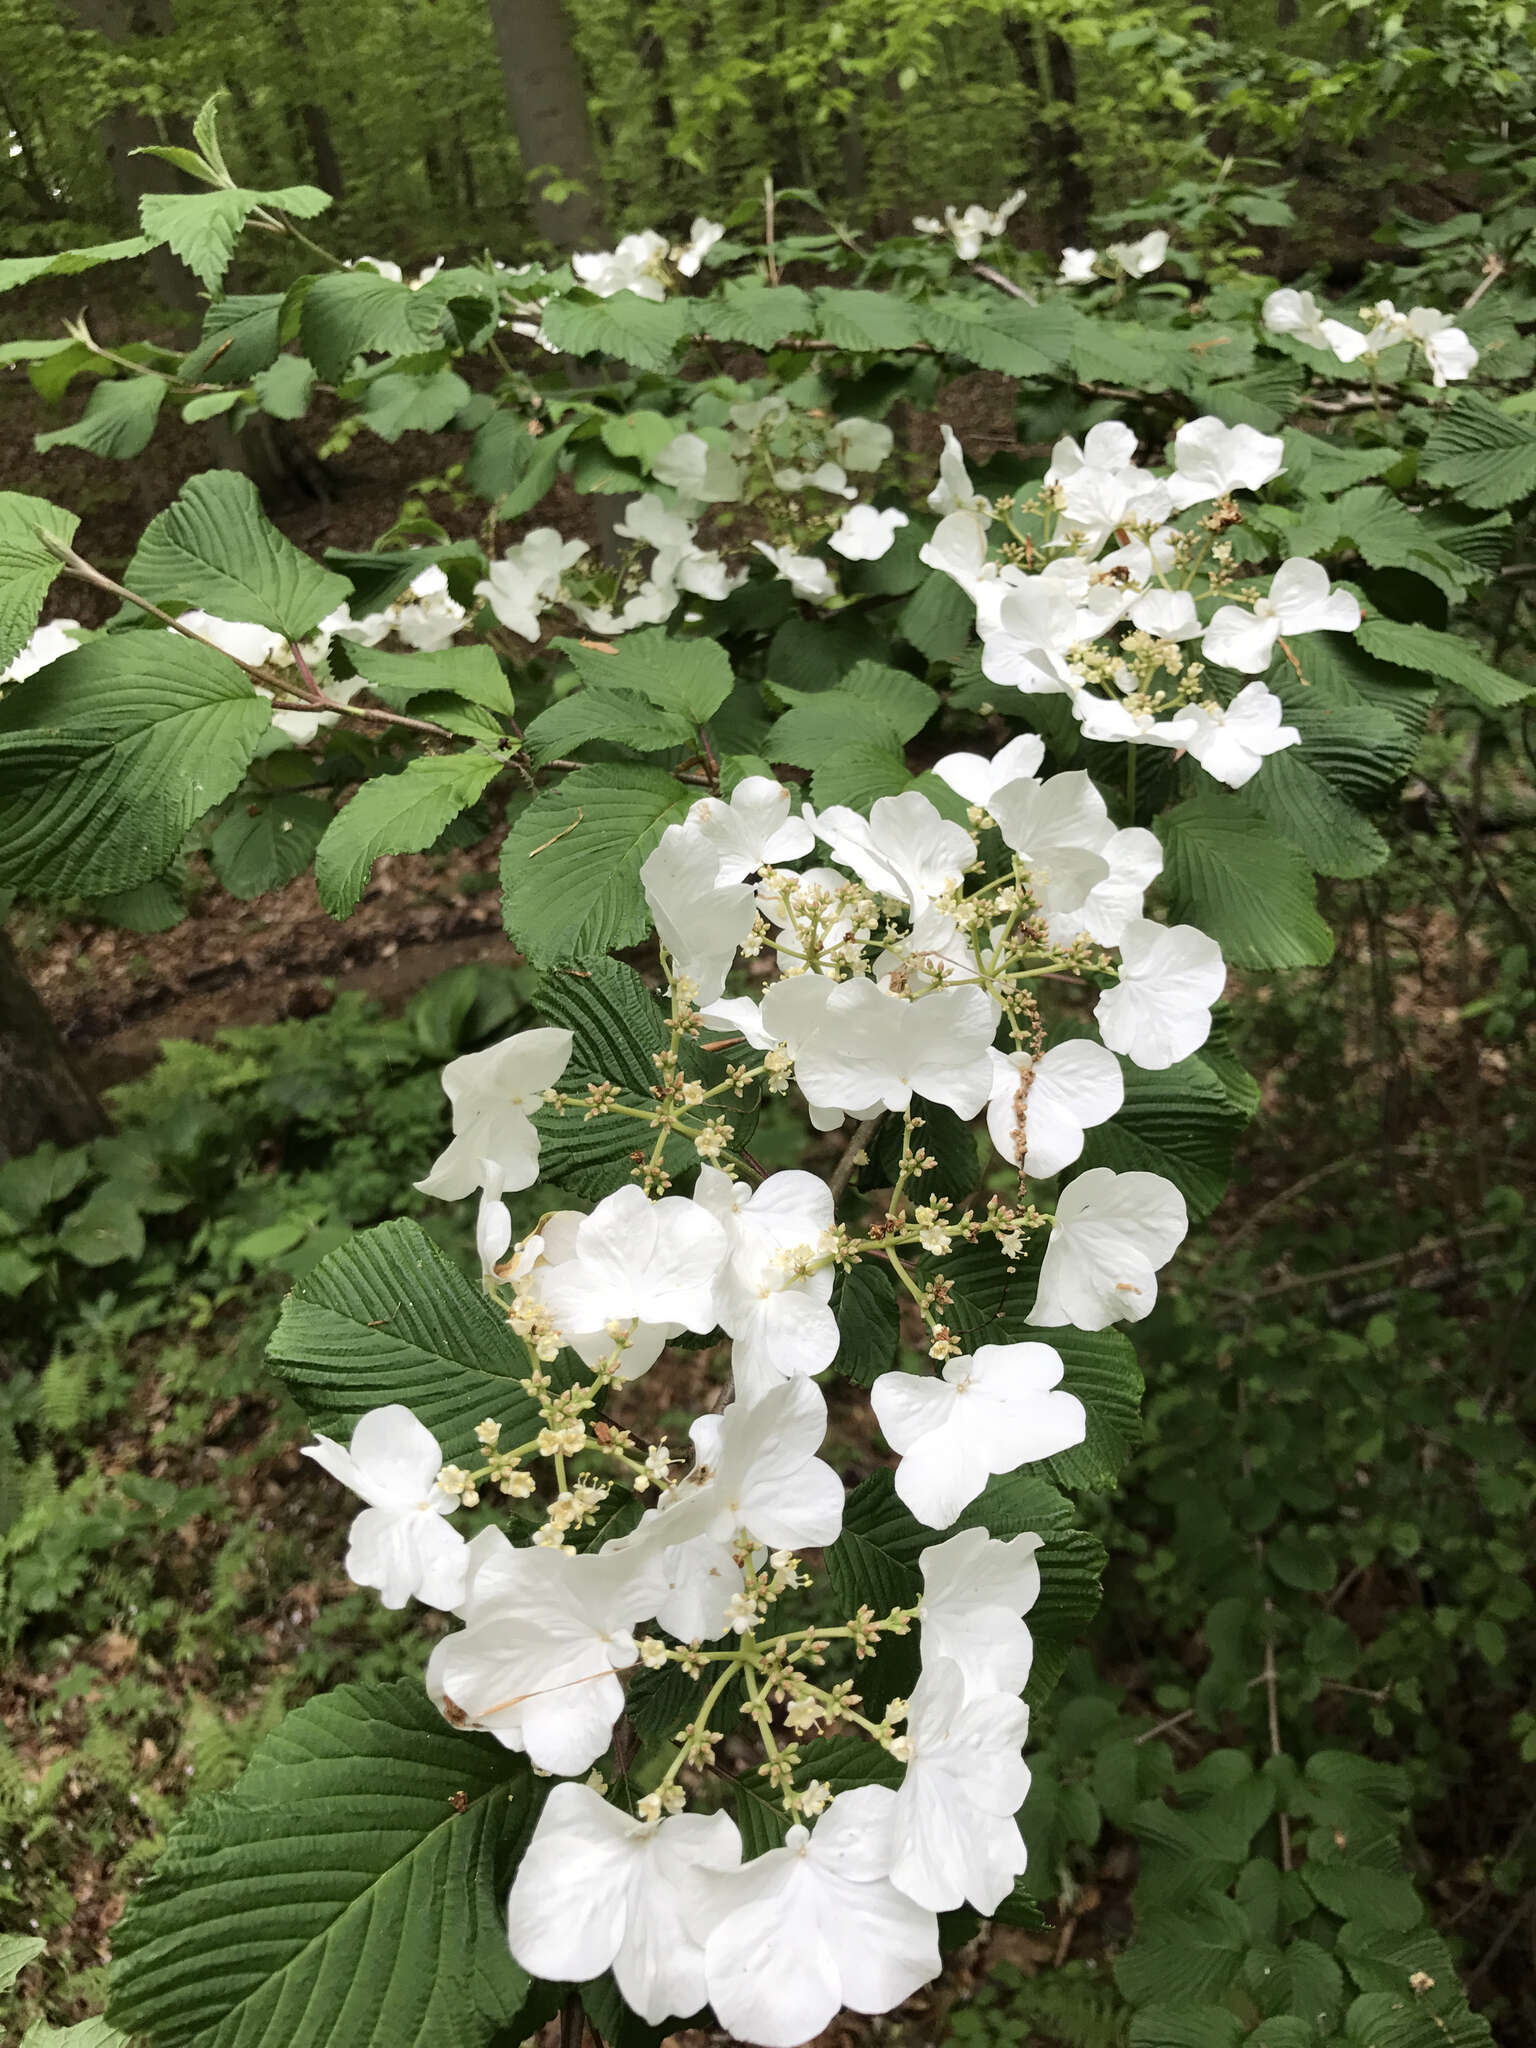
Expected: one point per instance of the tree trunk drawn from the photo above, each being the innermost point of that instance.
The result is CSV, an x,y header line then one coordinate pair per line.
x,y
41,1096
1046,68
126,127
547,101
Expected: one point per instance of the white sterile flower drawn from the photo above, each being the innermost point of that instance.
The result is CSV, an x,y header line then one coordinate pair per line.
x,y
1159,1011
780,1322
1098,502
1232,741
302,726
647,1266
970,229
1110,446
381,264
427,272
696,469
976,1592
1300,600
982,1416
431,619
954,491
753,830
702,237
1135,858
954,1830
1024,645
527,578
1077,266
48,642
1389,328
1109,719
545,1633
807,575
679,563
865,533
905,848
1167,615
400,1543
858,443
1056,827
1211,459
1140,259
826,476
1449,353
958,546
651,603
702,921
855,1044
599,1890
1112,1232
817,1925
634,266
493,1094
1298,313
236,637
368,631
975,778
1052,1100
493,1220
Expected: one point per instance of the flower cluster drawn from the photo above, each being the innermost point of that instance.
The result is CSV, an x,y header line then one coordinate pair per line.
x,y
907,956
646,263
1104,548
972,228
1122,259
1448,354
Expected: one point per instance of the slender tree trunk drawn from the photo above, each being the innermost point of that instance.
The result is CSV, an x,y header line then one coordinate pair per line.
x,y
1047,70
547,101
41,1096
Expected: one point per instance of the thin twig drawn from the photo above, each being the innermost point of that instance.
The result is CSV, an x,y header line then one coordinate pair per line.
x,y
1004,284
843,1172
1415,1251
1493,270
773,261
1274,1735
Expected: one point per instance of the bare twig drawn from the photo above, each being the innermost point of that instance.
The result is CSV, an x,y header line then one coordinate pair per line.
x,y
1004,284
843,1172
1271,1695
773,261
1493,270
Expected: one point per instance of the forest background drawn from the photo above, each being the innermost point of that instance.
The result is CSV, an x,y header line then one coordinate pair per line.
x,y
1355,1318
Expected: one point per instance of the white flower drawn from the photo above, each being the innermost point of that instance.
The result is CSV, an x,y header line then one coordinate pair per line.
x,y
864,534
381,264
648,1266
982,1416
859,443
599,1890
817,1925
1159,1012
696,469
807,575
753,830
976,1592
1167,615
493,1094
1134,857
976,778
679,562
1449,353
651,603
954,491
1056,828
1300,600
1231,741
493,1220
826,476
431,620
1140,259
1109,446
905,848
1054,1099
527,578
1112,1232
856,1045
48,642
634,266
546,1631
1110,719
1025,643
954,1832
427,272
236,637
780,1324
969,230
702,237
1211,460
400,1543
1292,312
1077,266
701,920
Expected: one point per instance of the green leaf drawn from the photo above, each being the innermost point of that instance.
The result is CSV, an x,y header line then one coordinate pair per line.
x,y
350,1890
470,672
1101,1370
1301,1979
570,866
1388,534
859,775
615,716
978,330
92,2033
401,402
386,1318
1178,1122
639,436
1407,2019
1184,1958
757,314
873,709
265,843
108,755
284,389
1231,877
152,906
356,312
1445,655
404,813
27,568
513,466
107,1229
214,548
868,1322
1485,455
15,270
119,419
1198,2026
241,335
692,677
637,331
16,1951
203,227
863,320
209,406
938,618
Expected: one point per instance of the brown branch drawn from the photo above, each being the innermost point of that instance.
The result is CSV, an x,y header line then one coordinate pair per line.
x,y
843,1172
